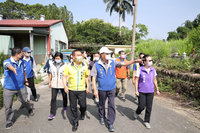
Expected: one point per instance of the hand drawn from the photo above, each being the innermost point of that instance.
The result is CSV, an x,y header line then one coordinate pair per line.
x,y
87,90
158,92
26,83
66,89
95,93
49,84
138,61
133,81
15,71
137,93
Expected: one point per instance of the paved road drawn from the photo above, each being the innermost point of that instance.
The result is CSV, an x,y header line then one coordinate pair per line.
x,y
163,120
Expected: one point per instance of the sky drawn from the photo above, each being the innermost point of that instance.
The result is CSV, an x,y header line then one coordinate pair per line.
x,y
160,16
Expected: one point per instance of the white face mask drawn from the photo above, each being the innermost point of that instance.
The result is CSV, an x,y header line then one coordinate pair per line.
x,y
108,57
96,58
50,58
123,56
150,63
79,59
28,54
57,61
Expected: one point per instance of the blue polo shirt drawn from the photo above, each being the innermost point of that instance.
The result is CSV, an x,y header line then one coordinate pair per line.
x,y
13,81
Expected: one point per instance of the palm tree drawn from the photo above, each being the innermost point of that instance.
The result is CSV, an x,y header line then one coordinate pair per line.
x,y
121,7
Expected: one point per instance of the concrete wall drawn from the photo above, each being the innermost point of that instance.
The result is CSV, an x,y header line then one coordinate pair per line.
x,y
58,33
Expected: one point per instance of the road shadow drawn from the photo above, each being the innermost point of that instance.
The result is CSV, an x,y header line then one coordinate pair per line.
x,y
89,95
93,109
21,111
125,111
131,99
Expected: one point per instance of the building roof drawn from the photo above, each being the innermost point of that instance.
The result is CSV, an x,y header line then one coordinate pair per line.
x,y
27,23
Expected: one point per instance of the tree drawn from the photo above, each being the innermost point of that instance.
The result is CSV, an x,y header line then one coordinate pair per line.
x,y
182,32
194,39
172,36
121,7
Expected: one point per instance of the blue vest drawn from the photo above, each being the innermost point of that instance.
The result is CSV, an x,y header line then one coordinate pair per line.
x,y
13,81
29,68
106,81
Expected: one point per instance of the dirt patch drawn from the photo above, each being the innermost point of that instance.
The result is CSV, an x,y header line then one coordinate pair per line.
x,y
181,106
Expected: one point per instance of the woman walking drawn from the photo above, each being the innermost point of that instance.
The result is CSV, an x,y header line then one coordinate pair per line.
x,y
55,83
145,82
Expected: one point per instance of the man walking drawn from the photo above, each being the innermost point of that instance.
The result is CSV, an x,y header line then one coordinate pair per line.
x,y
104,72
76,74
30,66
121,75
15,78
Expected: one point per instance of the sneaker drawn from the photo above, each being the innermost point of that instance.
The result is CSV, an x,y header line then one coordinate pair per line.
x,y
51,117
9,125
147,125
111,128
135,115
123,98
36,100
30,112
65,109
102,121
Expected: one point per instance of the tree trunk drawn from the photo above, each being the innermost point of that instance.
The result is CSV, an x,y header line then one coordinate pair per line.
x,y
120,24
133,37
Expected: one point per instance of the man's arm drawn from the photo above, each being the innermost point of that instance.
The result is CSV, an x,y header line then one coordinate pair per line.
x,y
133,77
131,62
128,70
87,83
94,86
26,80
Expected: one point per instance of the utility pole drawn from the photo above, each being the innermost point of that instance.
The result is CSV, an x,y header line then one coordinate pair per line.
x,y
134,30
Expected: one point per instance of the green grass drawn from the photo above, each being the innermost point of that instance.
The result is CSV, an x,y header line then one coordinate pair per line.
x,y
38,80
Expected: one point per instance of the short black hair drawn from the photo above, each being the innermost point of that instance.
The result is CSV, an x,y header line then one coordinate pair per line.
x,y
141,54
58,54
15,51
121,51
73,53
145,57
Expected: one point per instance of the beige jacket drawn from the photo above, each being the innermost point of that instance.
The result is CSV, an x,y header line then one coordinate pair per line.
x,y
57,75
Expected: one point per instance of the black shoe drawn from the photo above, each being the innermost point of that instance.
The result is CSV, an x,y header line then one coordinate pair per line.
x,y
82,116
30,112
9,125
116,94
111,128
102,121
75,127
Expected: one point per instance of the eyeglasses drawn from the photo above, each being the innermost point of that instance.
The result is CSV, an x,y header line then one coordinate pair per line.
x,y
150,60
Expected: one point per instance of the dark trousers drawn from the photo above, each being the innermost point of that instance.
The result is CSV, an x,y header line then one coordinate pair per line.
x,y
103,95
8,96
54,92
145,100
74,98
32,86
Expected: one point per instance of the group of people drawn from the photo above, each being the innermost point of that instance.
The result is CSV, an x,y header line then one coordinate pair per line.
x,y
108,76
